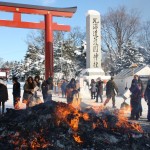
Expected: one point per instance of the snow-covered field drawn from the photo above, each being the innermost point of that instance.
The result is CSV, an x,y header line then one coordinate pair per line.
x,y
86,100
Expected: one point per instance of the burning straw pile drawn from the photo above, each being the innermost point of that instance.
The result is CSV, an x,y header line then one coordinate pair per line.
x,y
59,126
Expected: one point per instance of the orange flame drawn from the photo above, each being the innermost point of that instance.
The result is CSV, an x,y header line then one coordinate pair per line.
x,y
85,116
77,139
123,121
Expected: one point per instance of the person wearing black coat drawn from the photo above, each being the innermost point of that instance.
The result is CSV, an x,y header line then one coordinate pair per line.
x,y
99,91
16,92
142,95
45,89
147,98
69,90
3,95
135,90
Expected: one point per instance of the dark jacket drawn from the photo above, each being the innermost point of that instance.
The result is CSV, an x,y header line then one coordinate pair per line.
x,y
63,86
28,87
3,93
111,87
147,92
69,88
16,89
45,88
49,81
99,86
135,91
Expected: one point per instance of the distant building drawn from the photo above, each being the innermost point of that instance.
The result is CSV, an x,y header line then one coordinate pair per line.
x,y
124,78
4,73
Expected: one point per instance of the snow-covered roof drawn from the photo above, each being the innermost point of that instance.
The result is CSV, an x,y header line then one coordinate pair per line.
x,y
129,72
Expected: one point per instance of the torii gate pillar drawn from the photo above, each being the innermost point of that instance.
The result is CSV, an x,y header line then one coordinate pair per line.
x,y
49,60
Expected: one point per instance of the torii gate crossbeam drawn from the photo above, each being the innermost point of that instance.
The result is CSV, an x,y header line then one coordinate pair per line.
x,y
48,25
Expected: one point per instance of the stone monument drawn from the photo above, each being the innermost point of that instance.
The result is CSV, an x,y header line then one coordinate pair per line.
x,y
93,52
93,49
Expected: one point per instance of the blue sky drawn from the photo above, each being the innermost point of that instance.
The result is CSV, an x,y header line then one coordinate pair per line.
x,y
12,40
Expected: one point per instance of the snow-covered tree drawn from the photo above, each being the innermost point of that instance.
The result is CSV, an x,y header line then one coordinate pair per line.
x,y
118,27
80,54
65,57
34,61
144,38
131,55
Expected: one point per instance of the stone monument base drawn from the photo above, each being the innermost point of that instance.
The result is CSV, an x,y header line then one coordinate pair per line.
x,y
93,73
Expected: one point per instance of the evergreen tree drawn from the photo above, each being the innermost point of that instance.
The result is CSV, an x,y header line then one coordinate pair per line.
x,y
131,55
34,62
80,54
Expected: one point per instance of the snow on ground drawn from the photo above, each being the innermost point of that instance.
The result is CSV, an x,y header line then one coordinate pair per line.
x,y
86,100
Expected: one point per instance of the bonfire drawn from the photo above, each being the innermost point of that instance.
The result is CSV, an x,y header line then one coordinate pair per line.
x,y
61,126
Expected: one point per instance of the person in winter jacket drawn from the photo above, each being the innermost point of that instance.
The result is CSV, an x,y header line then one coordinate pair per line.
x,y
147,98
38,86
28,91
93,89
3,95
99,87
37,81
63,88
142,95
16,92
135,99
70,87
111,91
47,87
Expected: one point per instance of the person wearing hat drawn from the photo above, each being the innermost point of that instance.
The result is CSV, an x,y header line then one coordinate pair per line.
x,y
111,91
16,92
3,95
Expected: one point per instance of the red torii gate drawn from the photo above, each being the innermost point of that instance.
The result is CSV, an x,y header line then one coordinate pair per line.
x,y
48,25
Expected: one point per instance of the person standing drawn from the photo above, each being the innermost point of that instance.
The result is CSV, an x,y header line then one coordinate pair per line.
x,y
47,87
147,98
111,91
135,99
28,94
63,88
50,82
99,92
93,89
44,88
70,87
37,83
16,92
142,95
59,83
3,95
